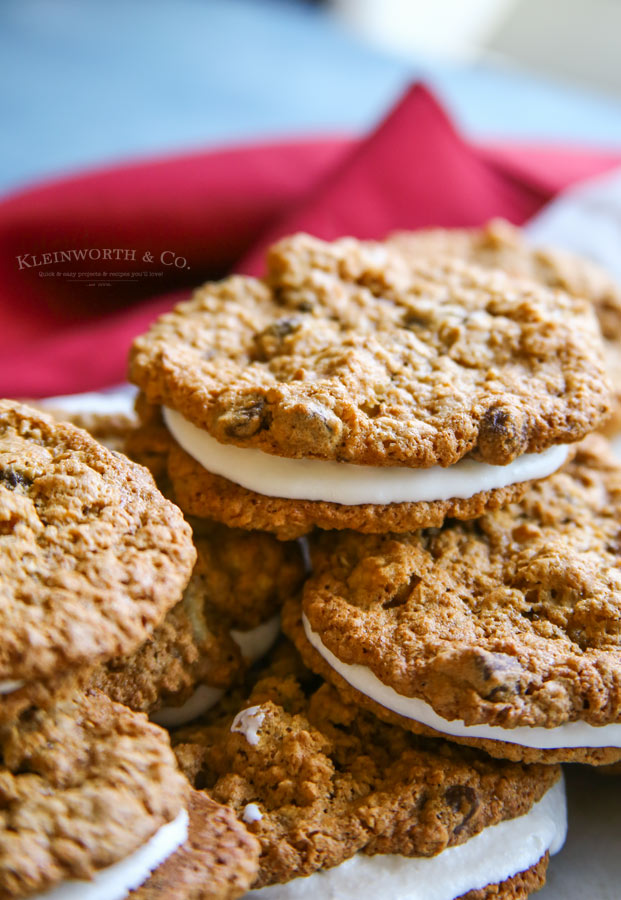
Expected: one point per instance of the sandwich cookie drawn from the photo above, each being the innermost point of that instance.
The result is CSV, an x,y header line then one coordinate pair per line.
x,y
228,618
346,805
91,556
500,245
353,389
218,861
92,801
502,633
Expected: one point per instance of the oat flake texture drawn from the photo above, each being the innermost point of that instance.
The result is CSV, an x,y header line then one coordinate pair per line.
x,y
348,351
331,780
91,555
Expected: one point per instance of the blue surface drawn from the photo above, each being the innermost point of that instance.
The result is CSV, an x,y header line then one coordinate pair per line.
x,y
82,83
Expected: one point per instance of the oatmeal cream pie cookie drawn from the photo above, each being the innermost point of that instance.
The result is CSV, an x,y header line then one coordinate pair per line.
x,y
500,245
346,805
228,618
503,633
92,801
353,389
218,861
91,556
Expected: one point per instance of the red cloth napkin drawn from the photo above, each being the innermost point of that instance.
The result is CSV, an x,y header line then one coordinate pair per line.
x,y
65,330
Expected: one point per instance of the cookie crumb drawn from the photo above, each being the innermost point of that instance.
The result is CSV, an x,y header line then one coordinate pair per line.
x,y
248,722
251,813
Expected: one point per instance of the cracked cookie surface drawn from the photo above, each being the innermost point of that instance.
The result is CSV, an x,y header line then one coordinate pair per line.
x,y
92,556
500,245
84,785
348,352
511,620
499,749
110,429
331,780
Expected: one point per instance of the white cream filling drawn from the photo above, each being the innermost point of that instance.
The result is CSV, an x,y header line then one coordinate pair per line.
x,y
8,687
248,722
256,642
251,813
572,734
116,881
253,644
495,854
204,697
352,485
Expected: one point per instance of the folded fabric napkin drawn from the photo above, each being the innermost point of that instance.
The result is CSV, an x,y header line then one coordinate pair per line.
x,y
87,262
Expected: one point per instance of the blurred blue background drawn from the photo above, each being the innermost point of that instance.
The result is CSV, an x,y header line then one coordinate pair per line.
x,y
84,83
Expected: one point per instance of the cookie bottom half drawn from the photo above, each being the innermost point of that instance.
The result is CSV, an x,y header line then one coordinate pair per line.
x,y
201,493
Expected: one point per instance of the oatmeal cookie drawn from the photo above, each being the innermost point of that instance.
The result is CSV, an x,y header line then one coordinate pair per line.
x,y
84,785
508,621
92,556
219,861
191,647
348,352
499,749
246,577
500,245
320,780
110,429
239,583
519,887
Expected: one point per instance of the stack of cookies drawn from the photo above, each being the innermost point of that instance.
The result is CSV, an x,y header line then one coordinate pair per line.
x,y
227,619
92,558
229,614
425,423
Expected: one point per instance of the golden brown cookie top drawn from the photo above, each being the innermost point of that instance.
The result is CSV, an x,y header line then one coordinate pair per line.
x,y
83,786
500,245
219,860
110,429
513,619
323,780
91,555
348,352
